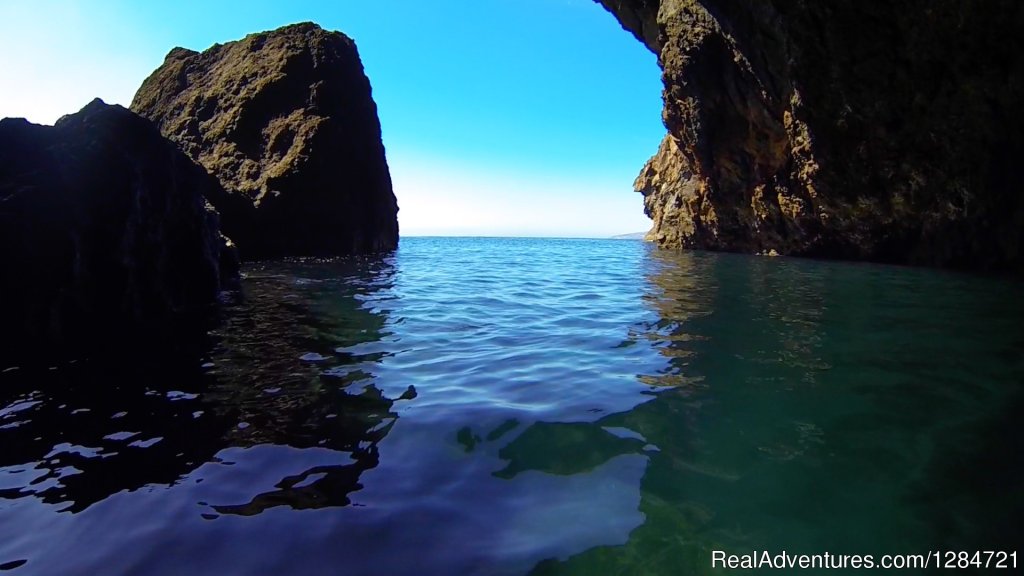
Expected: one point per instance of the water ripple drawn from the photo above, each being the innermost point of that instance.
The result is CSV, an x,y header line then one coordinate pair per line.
x,y
514,406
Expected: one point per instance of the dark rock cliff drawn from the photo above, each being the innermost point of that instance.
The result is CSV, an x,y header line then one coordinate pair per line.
x,y
858,129
105,236
286,121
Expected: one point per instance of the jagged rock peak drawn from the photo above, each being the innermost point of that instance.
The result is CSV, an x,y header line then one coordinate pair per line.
x,y
179,53
286,121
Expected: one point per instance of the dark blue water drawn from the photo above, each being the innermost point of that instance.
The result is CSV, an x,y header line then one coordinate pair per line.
x,y
517,406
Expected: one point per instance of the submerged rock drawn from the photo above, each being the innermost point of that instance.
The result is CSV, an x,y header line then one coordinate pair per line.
x,y
286,121
851,129
105,236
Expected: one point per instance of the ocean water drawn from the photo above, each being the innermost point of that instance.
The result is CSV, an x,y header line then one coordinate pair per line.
x,y
530,406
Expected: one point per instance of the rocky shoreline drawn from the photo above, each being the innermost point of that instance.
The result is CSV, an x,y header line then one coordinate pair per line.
x,y
843,129
111,221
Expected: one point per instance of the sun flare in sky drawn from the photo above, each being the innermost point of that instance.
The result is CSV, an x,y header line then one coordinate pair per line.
x,y
501,118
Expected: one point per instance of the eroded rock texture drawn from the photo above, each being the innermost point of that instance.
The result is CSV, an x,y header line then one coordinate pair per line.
x,y
859,129
105,237
286,121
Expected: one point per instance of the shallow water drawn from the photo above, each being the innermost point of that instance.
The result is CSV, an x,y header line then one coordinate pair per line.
x,y
526,406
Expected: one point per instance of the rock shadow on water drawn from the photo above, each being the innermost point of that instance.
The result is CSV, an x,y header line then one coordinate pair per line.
x,y
78,433
563,449
783,420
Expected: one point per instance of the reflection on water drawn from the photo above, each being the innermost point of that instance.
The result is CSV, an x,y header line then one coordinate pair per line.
x,y
816,407
76,434
497,406
267,371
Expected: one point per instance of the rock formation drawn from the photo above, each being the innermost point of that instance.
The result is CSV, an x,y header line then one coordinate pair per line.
x,y
105,236
286,121
854,129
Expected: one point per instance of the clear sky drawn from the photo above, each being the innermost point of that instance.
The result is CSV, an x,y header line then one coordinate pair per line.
x,y
500,117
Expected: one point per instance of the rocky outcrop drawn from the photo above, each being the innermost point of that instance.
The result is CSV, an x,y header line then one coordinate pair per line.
x,y
286,121
854,129
105,236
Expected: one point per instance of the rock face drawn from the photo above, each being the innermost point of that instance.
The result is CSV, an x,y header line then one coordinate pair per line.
x,y
856,129
286,121
105,236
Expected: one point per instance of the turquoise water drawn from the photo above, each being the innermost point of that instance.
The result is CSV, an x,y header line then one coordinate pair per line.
x,y
527,406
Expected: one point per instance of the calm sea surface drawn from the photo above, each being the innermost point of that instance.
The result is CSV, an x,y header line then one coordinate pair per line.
x,y
526,406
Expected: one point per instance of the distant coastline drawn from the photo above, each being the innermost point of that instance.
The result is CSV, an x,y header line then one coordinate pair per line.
x,y
630,236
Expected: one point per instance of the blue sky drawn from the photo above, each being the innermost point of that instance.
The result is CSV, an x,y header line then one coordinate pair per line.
x,y
500,117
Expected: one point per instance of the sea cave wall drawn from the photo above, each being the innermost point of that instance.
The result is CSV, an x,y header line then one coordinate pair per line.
x,y
853,129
